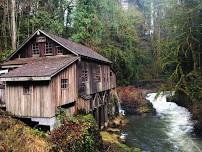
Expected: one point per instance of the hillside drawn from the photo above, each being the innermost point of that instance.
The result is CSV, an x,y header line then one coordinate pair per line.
x,y
16,136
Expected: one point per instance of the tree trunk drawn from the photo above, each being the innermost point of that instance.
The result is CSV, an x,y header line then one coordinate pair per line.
x,y
4,23
13,24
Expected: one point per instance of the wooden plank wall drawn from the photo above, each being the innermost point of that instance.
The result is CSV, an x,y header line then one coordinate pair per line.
x,y
35,104
2,94
113,79
83,104
92,86
60,96
45,96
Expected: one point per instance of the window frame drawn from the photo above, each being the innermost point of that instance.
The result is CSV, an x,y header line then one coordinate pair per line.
x,y
59,51
98,73
64,84
35,49
27,90
48,48
84,76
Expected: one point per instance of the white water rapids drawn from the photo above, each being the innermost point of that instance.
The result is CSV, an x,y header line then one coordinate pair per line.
x,y
178,123
169,130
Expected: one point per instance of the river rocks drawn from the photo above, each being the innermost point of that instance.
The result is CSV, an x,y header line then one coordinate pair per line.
x,y
197,115
133,100
112,143
117,122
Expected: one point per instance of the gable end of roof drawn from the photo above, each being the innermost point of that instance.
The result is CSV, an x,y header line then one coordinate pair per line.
x,y
75,48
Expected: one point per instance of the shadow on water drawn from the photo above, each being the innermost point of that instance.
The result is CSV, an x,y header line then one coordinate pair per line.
x,y
170,130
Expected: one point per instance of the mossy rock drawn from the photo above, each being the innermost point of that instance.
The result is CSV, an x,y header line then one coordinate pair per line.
x,y
147,107
112,143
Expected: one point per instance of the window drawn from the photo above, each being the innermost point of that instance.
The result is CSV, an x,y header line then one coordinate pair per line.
x,y
49,48
84,76
111,74
35,49
26,90
104,77
59,50
97,74
64,83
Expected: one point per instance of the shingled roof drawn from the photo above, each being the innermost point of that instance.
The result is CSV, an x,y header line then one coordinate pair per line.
x,y
40,67
75,48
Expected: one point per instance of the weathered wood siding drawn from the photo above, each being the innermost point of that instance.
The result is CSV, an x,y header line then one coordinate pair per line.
x,y
112,79
2,93
26,51
35,104
45,96
92,85
61,96
83,105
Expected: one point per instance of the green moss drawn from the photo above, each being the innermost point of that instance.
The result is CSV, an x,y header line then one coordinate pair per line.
x,y
124,148
107,137
111,141
16,136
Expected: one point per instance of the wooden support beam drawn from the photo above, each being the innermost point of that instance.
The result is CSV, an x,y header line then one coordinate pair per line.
x,y
100,99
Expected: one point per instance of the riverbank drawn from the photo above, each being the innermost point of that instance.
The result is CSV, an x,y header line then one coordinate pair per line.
x,y
18,137
133,100
113,139
75,132
170,129
194,107
134,103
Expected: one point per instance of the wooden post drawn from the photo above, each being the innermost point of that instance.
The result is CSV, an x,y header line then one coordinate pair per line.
x,y
106,115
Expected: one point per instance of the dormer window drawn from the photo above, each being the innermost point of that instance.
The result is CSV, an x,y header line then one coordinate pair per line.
x,y
59,50
35,49
49,48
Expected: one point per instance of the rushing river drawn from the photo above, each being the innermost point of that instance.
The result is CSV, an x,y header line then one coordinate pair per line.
x,y
170,130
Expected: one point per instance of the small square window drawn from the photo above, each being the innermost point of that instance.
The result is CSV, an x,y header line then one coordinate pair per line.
x,y
26,90
59,50
49,48
64,83
35,49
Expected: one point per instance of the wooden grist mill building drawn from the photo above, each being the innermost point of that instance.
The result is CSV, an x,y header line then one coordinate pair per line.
x,y
47,72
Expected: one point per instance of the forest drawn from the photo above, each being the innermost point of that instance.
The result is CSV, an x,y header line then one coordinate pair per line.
x,y
102,25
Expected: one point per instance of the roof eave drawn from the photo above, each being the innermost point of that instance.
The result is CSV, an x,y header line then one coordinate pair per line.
x,y
103,61
65,66
27,40
36,78
41,78
57,42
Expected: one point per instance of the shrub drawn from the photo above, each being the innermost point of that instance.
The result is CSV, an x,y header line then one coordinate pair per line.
x,y
76,134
